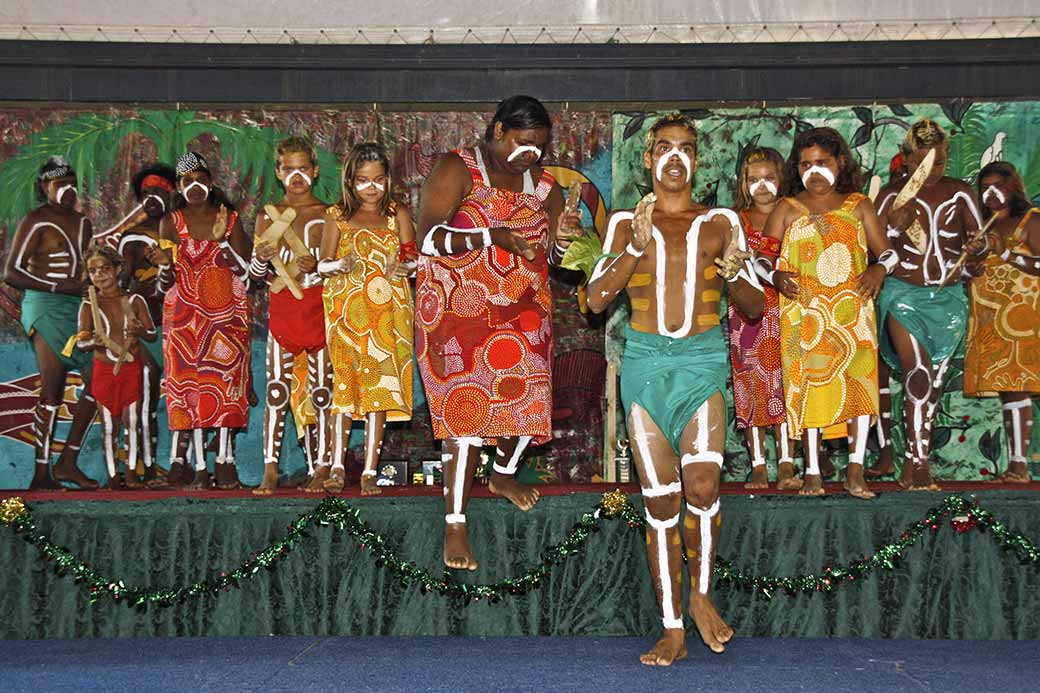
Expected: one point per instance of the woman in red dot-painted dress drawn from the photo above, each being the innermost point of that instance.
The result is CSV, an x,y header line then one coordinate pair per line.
x,y
758,383
491,221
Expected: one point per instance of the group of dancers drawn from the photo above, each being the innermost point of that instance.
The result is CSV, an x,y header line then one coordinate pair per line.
x,y
817,278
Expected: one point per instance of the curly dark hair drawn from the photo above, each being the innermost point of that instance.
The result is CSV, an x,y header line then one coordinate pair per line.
x,y
1019,203
850,175
155,169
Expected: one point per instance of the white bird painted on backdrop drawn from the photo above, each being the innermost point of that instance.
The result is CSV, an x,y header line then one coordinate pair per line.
x,y
994,152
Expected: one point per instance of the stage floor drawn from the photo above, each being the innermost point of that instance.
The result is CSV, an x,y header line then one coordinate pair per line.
x,y
309,664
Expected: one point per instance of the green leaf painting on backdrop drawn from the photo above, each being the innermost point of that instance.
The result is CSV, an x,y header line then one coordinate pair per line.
x,y
969,438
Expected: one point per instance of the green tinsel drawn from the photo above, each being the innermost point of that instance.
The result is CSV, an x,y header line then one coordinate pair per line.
x,y
965,515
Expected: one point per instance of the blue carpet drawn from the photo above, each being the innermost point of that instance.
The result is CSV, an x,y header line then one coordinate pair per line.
x,y
301,664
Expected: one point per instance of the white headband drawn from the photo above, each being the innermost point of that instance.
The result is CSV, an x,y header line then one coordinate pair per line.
x,y
822,170
370,184
663,161
990,191
524,148
192,185
762,183
301,174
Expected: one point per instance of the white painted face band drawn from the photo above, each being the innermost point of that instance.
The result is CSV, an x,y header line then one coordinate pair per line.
x,y
991,191
370,184
157,198
519,151
762,183
827,174
193,184
663,161
64,189
301,174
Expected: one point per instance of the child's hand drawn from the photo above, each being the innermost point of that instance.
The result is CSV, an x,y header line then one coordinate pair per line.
x,y
306,263
265,250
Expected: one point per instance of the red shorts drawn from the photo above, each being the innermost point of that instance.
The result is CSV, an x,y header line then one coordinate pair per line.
x,y
298,325
117,392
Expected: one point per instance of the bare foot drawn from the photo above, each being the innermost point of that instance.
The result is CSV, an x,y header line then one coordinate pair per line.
x,y
68,471
883,466
906,475
336,481
227,476
670,648
155,477
180,474
457,551
42,480
922,479
521,495
368,485
269,483
759,477
202,481
855,484
812,485
1017,473
115,483
785,477
131,480
714,631
316,484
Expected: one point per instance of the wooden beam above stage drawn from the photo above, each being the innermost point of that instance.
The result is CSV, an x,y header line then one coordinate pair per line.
x,y
98,72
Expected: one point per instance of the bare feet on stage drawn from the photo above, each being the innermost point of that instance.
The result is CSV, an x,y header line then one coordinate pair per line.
x,y
457,552
1017,473
227,477
670,648
269,484
920,478
131,480
368,485
759,477
336,481
883,466
66,470
316,484
714,631
521,495
812,485
826,465
180,475
785,477
855,484
202,481
42,480
155,477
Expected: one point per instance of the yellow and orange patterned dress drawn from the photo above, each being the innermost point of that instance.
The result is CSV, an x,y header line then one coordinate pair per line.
x,y
829,335
1003,346
368,318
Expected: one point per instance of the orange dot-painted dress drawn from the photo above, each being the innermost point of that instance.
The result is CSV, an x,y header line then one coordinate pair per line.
x,y
828,335
368,317
484,319
1003,346
206,334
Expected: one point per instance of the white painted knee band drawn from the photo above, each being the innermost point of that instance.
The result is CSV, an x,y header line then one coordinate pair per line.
x,y
665,490
514,460
455,519
708,456
705,551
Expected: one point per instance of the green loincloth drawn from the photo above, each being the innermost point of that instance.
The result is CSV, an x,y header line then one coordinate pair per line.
x,y
672,378
55,317
937,318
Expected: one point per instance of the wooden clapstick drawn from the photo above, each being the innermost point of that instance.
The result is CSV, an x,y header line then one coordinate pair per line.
x,y
125,354
573,198
122,352
955,271
281,223
916,182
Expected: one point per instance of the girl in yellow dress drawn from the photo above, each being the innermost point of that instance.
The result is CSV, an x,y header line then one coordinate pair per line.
x,y
367,253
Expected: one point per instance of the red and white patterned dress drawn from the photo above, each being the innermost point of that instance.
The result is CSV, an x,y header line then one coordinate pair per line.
x,y
206,335
483,336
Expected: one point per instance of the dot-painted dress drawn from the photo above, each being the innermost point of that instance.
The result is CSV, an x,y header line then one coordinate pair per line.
x,y
206,334
368,318
829,334
484,319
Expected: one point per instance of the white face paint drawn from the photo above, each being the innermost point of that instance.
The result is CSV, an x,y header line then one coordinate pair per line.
x,y
827,174
524,148
301,174
762,183
157,198
370,184
993,191
65,189
663,161
193,184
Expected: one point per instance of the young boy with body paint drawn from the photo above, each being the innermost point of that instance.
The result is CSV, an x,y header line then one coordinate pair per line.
x,y
46,262
368,251
828,331
922,311
674,257
296,326
112,328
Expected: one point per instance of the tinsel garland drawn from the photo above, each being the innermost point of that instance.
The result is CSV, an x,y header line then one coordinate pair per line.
x,y
965,514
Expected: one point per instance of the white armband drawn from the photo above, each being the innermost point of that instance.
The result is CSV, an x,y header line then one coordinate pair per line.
x,y
327,268
764,269
631,250
888,259
474,238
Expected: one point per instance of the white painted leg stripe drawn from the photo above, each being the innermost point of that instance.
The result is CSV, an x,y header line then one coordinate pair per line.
x,y
455,519
705,548
661,524
658,491
1020,404
673,623
715,457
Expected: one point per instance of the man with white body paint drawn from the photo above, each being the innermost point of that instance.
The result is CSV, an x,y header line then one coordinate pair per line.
x,y
491,220
674,257
920,323
46,262
296,326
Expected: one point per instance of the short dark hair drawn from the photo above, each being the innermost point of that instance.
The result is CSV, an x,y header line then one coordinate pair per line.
x,y
1019,203
155,169
850,176
519,113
